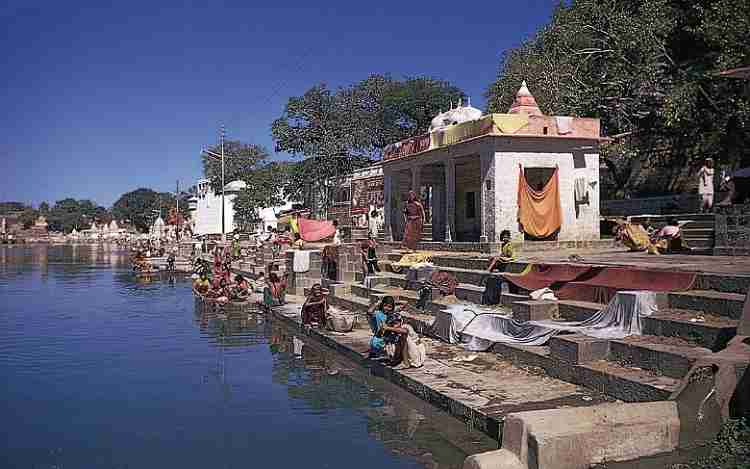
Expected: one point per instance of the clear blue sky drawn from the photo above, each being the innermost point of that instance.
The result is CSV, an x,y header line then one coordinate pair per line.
x,y
99,100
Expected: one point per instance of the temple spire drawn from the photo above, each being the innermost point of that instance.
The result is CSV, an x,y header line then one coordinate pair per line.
x,y
524,102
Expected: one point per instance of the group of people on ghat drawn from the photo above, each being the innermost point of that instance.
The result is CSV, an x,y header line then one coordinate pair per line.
x,y
637,237
144,250
215,282
221,286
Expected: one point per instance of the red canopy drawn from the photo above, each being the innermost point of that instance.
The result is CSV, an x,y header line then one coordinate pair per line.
x,y
315,230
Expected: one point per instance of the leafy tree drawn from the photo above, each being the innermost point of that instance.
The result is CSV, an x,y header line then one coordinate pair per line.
x,y
647,68
264,189
70,213
44,207
142,206
28,217
240,159
340,131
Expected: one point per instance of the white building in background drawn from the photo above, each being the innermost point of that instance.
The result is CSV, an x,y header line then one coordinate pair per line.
x,y
205,209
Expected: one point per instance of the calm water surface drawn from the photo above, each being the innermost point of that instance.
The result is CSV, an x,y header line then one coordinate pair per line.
x,y
101,371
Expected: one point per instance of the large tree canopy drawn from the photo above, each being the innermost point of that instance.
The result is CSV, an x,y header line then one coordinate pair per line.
x,y
647,68
68,214
339,131
264,189
240,160
141,206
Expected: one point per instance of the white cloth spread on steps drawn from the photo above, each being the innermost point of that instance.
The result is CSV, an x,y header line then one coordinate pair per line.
x,y
479,328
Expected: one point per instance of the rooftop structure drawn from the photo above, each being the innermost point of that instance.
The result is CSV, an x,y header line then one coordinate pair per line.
x,y
469,166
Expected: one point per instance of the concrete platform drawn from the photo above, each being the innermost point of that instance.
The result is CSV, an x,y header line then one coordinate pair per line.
x,y
480,392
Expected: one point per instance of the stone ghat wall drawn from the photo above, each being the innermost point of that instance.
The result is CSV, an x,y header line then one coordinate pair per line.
x,y
677,203
733,231
299,282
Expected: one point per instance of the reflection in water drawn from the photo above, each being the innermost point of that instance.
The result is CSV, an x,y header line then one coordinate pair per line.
x,y
326,380
102,371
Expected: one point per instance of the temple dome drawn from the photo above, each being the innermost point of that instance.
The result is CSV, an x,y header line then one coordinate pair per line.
x,y
455,116
235,186
525,102
159,222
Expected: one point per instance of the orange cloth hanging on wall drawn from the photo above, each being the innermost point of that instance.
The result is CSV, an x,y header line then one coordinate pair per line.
x,y
539,212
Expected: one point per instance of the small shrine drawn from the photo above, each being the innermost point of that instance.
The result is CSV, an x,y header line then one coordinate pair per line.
x,y
477,175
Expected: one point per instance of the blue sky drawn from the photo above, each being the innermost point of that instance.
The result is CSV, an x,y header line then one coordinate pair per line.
x,y
98,100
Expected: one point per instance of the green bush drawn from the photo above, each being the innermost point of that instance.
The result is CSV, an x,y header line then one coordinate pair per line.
x,y
730,449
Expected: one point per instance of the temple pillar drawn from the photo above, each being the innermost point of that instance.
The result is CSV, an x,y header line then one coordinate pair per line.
x,y
487,199
450,200
416,179
388,204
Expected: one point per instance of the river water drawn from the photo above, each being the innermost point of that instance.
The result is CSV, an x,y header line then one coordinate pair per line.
x,y
99,370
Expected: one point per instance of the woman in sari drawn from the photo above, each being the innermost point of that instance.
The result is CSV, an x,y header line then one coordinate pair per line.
x,y
377,316
315,307
273,294
414,221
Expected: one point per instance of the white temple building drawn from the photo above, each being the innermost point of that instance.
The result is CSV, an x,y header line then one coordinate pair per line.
x,y
158,229
487,173
205,209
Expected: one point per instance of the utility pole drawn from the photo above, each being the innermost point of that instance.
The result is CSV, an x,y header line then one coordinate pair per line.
x,y
223,231
177,215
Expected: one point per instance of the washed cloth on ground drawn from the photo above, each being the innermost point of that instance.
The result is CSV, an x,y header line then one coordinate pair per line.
x,y
479,328
599,283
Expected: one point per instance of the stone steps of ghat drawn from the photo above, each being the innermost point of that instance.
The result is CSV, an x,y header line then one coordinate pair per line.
x,y
647,368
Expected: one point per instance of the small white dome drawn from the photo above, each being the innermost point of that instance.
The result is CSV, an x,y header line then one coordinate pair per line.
x,y
235,186
455,116
159,222
439,121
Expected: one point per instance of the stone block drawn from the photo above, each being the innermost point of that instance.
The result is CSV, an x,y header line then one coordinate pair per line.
x,y
498,459
568,438
577,349
534,310
507,299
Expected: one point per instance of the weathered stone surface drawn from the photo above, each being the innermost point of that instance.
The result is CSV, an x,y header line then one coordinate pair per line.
x,y
578,438
534,310
577,349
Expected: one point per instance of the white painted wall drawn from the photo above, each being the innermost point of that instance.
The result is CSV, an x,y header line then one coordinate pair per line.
x,y
208,210
584,226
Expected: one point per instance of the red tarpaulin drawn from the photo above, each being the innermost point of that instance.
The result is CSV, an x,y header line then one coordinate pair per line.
x,y
599,284
544,275
315,230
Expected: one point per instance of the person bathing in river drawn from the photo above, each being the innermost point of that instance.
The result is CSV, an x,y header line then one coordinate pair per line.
x,y
202,285
241,288
315,308
275,291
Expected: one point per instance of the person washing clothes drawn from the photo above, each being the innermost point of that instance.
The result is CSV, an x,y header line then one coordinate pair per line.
x,y
315,308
